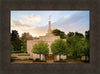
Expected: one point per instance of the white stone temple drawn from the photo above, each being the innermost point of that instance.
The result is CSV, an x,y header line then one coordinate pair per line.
x,y
49,38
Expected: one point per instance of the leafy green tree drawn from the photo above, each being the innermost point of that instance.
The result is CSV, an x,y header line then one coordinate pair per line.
x,y
12,48
15,40
58,47
23,48
80,45
82,48
14,34
59,33
71,41
86,50
70,34
87,35
26,36
80,35
40,48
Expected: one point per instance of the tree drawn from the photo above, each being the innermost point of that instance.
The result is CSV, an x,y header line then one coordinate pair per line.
x,y
70,34
82,48
59,33
86,50
78,45
87,35
40,48
12,48
14,35
58,47
15,40
79,35
72,43
26,36
23,48
72,39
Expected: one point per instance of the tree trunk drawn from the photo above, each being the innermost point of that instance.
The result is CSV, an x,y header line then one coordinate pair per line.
x,y
85,58
80,57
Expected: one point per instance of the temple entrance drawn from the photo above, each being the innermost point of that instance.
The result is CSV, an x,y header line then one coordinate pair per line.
x,y
50,58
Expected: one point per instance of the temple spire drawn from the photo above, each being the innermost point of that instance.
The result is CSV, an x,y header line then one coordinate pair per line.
x,y
49,18
49,29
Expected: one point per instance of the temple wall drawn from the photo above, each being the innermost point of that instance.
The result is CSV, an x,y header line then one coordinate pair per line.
x,y
29,46
49,38
35,56
63,56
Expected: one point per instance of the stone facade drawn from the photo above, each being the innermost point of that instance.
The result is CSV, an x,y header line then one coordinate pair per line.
x,y
49,38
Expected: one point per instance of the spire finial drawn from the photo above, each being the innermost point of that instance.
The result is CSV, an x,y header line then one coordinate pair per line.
x,y
49,17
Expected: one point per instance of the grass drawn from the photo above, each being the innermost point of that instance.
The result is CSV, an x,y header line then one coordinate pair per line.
x,y
61,60
26,59
15,51
69,59
18,52
72,59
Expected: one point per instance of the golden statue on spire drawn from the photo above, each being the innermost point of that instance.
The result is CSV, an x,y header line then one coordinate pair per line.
x,y
49,17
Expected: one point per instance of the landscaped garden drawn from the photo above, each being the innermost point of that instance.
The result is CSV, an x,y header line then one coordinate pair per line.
x,y
74,48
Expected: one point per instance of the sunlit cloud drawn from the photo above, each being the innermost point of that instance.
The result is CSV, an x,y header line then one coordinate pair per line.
x,y
38,31
32,17
19,24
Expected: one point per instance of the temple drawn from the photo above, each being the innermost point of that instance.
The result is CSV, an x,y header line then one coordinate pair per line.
x,y
49,38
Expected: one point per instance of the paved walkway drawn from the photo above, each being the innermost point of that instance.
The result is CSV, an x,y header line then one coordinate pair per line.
x,y
50,61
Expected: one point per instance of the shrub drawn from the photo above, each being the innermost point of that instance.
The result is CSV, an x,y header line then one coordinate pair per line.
x,y
38,60
30,58
16,52
61,60
13,59
24,48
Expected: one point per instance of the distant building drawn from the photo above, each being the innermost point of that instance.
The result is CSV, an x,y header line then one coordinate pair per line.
x,y
49,38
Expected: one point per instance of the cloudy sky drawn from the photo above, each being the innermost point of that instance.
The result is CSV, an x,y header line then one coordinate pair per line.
x,y
36,22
